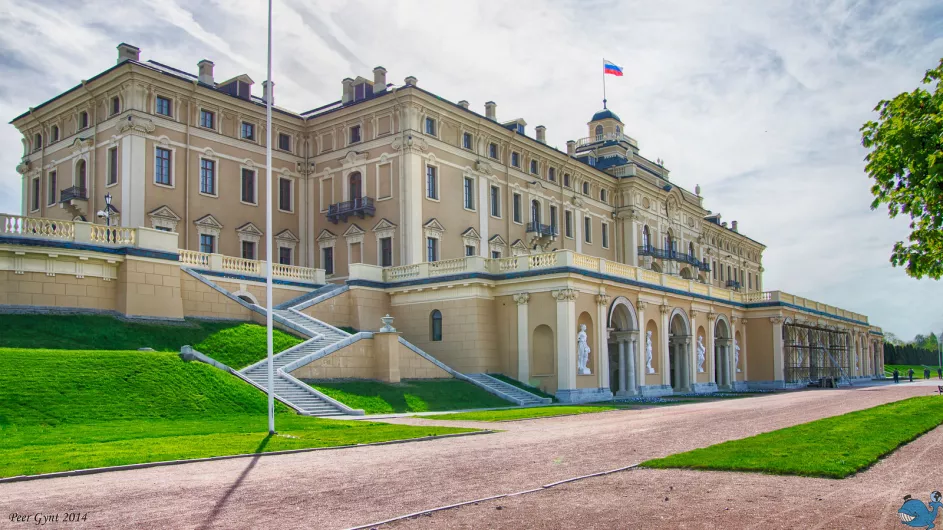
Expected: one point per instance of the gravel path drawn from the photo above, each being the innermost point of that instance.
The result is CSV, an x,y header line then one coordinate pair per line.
x,y
344,488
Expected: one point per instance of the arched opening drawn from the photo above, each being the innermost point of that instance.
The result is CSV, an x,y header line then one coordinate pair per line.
x,y
670,242
245,298
598,131
543,359
81,174
83,120
586,320
355,186
701,361
722,353
686,273
535,212
37,142
646,237
656,267
679,351
691,249
739,358
435,326
623,348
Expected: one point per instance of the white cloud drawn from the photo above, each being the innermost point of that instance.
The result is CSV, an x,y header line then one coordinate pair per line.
x,y
758,102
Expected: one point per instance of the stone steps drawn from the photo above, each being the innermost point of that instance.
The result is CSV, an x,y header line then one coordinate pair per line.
x,y
522,397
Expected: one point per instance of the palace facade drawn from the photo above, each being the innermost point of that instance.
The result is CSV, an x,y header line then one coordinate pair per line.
x,y
489,247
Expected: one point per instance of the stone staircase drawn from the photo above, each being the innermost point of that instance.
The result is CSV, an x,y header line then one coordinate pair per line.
x,y
507,391
295,302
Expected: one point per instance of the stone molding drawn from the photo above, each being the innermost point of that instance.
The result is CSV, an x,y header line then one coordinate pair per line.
x,y
521,298
564,295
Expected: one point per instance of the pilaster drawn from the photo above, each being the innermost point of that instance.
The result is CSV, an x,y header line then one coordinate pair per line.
x,y
523,334
778,359
566,338
602,341
711,347
664,353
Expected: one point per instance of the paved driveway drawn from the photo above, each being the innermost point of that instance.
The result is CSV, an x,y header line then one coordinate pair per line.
x,y
344,488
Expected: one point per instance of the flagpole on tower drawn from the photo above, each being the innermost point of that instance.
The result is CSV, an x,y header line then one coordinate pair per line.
x,y
603,82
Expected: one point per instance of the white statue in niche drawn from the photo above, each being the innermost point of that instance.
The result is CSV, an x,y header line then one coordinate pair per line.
x,y
736,355
648,352
701,354
582,351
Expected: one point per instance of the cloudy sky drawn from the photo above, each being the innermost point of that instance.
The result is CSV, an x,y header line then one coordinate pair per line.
x,y
758,102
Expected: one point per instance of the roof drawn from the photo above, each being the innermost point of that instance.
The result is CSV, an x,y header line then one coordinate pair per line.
x,y
605,113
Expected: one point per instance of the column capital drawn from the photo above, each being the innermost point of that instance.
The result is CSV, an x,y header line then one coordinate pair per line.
x,y
565,295
521,298
602,299
640,305
694,313
743,321
711,316
665,309
776,320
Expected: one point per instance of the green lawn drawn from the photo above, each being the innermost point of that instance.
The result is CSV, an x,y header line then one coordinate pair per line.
x,y
525,413
918,370
75,409
235,344
523,386
831,447
410,395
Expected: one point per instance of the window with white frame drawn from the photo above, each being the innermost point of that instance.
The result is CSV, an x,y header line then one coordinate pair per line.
x,y
605,235
207,243
469,193
586,188
587,229
112,166
83,120
386,251
568,224
207,176
115,105
495,254
432,249
566,180
602,195
327,260
284,195
430,126
162,106
516,206
51,179
495,201
515,160
284,255
284,142
467,140
432,183
469,250
493,151
247,131
552,175
54,134
534,169
207,119
248,186
248,249
355,136
162,166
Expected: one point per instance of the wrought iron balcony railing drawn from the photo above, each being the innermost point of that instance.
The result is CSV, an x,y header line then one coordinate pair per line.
x,y
733,284
75,192
683,257
542,230
361,207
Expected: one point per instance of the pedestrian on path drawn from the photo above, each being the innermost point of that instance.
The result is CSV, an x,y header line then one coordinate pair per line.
x,y
939,372
896,375
926,373
910,373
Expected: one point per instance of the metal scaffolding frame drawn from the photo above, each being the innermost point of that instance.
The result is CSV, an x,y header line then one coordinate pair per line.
x,y
812,353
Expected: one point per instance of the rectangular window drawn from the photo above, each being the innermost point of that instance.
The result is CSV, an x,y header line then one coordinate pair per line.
x,y
163,106
247,131
52,187
284,141
533,167
34,197
495,254
248,250
552,174
566,180
113,165
605,235
115,105
432,249
568,224
284,195
207,119
495,201
721,272
162,167
750,280
207,176
284,255
553,219
207,243
714,268
517,208
248,186
469,190
493,151
432,183
430,126
355,134
327,260
467,140
469,250
515,160
587,229
386,252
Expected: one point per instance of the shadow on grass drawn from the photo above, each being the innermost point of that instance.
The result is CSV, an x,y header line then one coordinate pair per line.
x,y
232,489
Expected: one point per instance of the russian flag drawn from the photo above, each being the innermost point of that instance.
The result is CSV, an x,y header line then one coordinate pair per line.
x,y
610,68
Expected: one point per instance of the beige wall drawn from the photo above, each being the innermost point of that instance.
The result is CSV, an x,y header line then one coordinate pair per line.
x,y
61,290
359,361
201,300
149,288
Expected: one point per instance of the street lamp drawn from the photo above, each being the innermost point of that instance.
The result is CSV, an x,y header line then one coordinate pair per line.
x,y
107,212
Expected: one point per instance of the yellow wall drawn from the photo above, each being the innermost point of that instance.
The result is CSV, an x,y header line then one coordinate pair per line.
x,y
61,290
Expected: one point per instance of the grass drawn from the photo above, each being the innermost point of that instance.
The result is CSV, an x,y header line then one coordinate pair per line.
x,y
918,370
410,395
833,447
235,344
524,386
525,413
62,410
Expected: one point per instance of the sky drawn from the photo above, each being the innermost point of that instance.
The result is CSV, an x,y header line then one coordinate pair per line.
x,y
759,103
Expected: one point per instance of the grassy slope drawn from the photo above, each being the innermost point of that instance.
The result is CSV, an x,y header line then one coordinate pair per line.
x,y
62,410
235,344
414,395
918,370
524,386
831,447
525,413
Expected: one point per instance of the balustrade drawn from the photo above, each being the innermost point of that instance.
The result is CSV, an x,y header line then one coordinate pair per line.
x,y
36,227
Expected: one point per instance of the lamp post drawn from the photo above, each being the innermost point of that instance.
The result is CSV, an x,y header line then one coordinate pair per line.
x,y
106,213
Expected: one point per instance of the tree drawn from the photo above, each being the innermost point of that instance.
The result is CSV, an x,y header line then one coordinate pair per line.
x,y
906,163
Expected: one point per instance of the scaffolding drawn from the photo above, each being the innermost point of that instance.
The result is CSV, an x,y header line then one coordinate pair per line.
x,y
815,353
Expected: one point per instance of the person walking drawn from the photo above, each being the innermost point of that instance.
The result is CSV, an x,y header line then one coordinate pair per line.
x,y
939,372
896,375
926,373
910,374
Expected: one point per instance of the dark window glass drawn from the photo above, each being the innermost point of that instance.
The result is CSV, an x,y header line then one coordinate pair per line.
x,y
432,249
284,142
34,196
52,187
568,223
248,250
436,325
552,174
495,254
515,160
386,252
355,134
81,174
113,164
469,194
588,229
207,119
284,255
284,195
207,176
605,235
248,131
328,261
432,189
430,126
469,250
517,208
55,133
467,140
533,167
83,120
207,243
163,106
356,186
495,201
553,219
115,105
248,186
493,150
162,166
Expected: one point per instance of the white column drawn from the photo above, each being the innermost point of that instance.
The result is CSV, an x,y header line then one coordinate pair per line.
x,y
133,158
711,348
640,360
412,184
566,338
484,210
778,360
632,383
622,367
523,334
663,354
602,346
743,348
578,230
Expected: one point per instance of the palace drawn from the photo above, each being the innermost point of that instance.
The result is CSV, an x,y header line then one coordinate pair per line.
x,y
490,248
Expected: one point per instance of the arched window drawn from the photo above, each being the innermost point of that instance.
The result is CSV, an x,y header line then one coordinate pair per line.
x,y
618,129
599,130
55,133
435,325
602,195
83,120
356,186
691,249
37,142
80,174
115,105
646,236
535,212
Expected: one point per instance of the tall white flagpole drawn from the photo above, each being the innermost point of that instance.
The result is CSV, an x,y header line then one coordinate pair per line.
x,y
268,230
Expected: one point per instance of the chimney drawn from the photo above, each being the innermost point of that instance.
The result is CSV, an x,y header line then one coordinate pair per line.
x,y
379,79
733,225
411,81
206,72
571,147
463,104
126,52
541,134
491,110
265,91
348,90
723,224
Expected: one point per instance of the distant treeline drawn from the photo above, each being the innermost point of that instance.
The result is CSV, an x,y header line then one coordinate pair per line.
x,y
910,354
